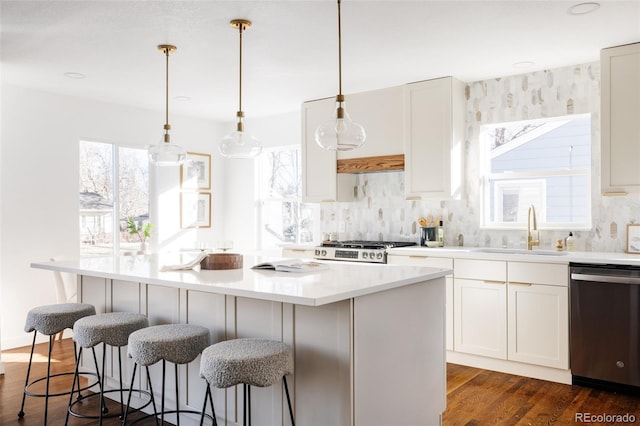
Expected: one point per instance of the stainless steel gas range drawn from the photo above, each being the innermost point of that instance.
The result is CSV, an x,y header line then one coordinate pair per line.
x,y
358,251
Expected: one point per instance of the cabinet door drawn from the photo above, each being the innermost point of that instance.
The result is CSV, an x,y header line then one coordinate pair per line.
x,y
320,181
538,331
434,128
620,105
380,112
434,262
480,317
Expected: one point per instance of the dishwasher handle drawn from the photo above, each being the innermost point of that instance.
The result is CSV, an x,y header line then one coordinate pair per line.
x,y
605,279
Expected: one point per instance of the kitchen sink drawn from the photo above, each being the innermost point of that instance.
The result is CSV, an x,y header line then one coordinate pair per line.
x,y
520,251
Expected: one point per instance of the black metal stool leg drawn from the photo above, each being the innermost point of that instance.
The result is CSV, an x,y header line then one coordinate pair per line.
x,y
177,394
133,379
73,385
103,405
46,398
164,364
286,391
121,388
26,383
204,407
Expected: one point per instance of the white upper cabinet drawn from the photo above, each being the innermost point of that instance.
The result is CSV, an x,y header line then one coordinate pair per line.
x,y
380,112
320,182
620,110
434,128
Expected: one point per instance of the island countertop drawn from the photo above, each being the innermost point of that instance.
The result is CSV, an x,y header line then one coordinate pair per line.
x,y
341,281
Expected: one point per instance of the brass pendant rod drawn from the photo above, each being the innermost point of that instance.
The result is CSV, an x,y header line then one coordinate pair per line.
x,y
339,51
166,97
166,49
240,27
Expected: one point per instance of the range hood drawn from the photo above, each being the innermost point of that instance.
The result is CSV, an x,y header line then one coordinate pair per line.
x,y
383,163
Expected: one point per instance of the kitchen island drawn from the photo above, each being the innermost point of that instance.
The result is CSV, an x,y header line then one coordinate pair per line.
x,y
368,339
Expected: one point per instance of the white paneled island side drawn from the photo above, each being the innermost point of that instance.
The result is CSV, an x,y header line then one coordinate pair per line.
x,y
368,340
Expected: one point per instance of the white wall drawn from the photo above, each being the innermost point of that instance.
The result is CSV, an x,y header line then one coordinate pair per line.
x,y
39,186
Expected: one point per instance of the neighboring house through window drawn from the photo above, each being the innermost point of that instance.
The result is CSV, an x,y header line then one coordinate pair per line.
x,y
114,185
545,163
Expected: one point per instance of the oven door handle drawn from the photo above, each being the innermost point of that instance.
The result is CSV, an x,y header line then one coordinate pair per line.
x,y
605,279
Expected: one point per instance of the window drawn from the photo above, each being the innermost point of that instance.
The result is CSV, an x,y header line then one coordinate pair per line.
x,y
545,163
282,217
114,183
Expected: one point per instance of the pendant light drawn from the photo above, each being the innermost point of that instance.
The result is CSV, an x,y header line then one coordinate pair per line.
x,y
166,153
239,144
340,133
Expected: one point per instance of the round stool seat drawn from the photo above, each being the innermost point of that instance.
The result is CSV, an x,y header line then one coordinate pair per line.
x,y
254,362
176,343
52,319
111,328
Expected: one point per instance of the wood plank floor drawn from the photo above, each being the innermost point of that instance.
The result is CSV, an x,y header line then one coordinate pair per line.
x,y
474,397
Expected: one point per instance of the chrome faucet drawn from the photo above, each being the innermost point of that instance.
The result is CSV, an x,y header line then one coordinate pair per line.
x,y
532,225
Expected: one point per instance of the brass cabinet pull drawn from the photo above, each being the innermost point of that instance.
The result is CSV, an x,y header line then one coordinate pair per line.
x,y
615,193
493,282
418,257
520,283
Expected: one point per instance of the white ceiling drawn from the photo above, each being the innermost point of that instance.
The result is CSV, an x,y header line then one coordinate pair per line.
x,y
290,53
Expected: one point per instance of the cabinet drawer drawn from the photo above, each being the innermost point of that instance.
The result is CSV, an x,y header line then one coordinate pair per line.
x,y
538,273
418,260
488,270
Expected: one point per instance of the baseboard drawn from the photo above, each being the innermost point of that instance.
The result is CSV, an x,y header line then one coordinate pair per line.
x,y
511,367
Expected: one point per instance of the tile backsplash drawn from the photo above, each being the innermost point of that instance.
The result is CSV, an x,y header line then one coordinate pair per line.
x,y
381,212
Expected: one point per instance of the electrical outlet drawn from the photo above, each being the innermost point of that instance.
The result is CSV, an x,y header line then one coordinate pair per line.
x,y
342,227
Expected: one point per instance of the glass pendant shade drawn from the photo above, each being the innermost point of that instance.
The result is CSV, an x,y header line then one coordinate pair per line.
x,y
340,133
167,154
239,144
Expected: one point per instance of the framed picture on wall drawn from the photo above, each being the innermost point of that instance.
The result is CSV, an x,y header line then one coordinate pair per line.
x,y
633,239
195,210
195,173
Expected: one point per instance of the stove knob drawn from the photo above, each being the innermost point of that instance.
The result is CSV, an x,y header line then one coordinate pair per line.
x,y
379,256
317,252
324,252
365,255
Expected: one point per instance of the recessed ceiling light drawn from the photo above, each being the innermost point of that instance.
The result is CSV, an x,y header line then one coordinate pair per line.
x,y
523,64
182,98
583,8
74,75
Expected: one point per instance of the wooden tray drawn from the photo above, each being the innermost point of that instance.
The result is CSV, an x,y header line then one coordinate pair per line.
x,y
222,261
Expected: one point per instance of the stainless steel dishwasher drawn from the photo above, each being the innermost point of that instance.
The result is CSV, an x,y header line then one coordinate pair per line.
x,y
605,326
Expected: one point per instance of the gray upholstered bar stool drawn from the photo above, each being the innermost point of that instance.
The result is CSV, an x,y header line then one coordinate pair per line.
x,y
175,343
252,362
111,329
51,320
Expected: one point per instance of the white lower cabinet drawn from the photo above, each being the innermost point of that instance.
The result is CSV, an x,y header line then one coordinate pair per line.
x,y
480,319
508,316
538,314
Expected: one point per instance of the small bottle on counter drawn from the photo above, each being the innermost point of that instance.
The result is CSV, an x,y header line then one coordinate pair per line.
x,y
441,234
570,243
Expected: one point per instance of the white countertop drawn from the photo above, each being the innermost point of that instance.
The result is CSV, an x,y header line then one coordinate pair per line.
x,y
343,280
535,255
